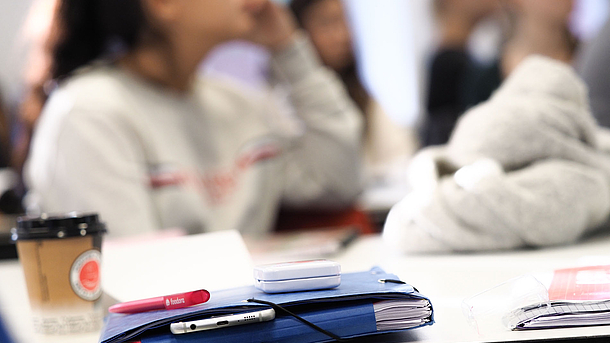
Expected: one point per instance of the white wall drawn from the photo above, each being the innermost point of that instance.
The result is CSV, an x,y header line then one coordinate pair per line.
x,y
588,18
12,52
393,40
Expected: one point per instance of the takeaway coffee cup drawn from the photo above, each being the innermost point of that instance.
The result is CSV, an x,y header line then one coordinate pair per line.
x,y
61,258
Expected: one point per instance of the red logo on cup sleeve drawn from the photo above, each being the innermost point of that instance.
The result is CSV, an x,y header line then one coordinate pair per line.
x,y
85,275
90,275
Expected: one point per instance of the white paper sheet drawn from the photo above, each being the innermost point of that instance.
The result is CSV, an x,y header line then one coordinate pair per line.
x,y
167,265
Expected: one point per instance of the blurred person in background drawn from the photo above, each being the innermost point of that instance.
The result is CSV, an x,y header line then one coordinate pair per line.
x,y
450,65
539,27
10,201
39,36
133,133
4,135
386,143
533,28
594,68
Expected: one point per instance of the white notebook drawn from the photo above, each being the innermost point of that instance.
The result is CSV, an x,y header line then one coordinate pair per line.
x,y
577,297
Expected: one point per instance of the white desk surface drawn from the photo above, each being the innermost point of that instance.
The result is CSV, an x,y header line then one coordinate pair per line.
x,y
449,279
446,279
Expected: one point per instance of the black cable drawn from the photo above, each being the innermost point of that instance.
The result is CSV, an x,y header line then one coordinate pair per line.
x,y
392,281
306,322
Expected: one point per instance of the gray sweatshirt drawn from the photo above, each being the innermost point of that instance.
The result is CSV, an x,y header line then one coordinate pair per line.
x,y
218,157
529,167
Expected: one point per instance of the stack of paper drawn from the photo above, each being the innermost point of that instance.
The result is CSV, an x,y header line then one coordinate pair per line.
x,y
402,314
577,297
564,314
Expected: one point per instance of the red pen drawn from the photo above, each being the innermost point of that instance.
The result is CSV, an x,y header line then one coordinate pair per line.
x,y
170,302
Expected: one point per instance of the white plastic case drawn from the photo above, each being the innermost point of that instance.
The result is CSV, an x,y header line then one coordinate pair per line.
x,y
297,276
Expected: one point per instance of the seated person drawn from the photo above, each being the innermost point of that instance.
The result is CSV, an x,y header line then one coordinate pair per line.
x,y
10,199
133,134
451,64
527,168
386,143
535,27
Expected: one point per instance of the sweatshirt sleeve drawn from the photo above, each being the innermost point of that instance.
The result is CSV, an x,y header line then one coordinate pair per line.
x,y
553,202
88,161
323,164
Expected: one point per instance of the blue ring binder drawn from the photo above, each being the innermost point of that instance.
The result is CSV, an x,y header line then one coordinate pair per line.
x,y
348,311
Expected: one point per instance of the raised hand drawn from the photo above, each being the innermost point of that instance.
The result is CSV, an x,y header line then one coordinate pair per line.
x,y
275,26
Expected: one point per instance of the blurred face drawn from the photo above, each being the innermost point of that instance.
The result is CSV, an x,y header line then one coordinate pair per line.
x,y
217,20
473,10
326,23
551,11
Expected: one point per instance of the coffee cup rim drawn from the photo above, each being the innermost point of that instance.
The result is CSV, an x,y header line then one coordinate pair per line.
x,y
57,226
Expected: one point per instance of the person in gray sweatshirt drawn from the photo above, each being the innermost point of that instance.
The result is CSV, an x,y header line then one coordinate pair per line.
x,y
133,133
528,168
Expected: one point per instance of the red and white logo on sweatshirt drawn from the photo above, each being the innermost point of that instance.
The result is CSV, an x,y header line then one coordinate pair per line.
x,y
217,185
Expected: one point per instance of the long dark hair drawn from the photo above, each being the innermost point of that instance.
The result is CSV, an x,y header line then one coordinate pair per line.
x,y
349,75
88,28
81,31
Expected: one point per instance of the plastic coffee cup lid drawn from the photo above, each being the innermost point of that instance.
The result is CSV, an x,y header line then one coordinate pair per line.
x,y
57,226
